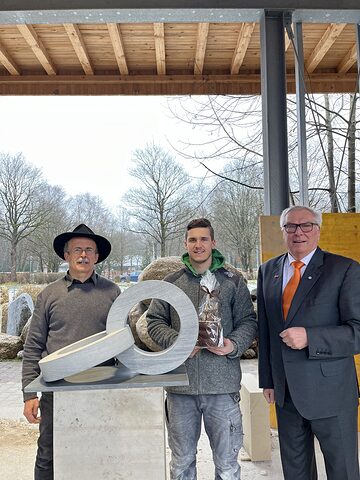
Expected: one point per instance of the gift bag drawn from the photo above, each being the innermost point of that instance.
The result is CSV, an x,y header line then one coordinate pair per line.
x,y
210,328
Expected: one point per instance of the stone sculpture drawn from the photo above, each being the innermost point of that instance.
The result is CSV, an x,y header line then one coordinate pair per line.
x,y
118,340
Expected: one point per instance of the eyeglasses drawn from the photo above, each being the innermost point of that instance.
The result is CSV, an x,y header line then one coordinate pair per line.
x,y
87,250
304,227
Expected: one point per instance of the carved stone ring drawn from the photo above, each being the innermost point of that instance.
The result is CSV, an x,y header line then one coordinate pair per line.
x,y
118,341
154,363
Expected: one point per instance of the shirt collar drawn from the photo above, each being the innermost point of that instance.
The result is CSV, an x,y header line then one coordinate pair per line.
x,y
305,260
69,280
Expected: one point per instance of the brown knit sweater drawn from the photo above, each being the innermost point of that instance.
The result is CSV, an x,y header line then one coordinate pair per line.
x,y
66,311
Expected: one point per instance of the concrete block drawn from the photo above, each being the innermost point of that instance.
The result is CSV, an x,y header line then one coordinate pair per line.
x,y
109,434
256,421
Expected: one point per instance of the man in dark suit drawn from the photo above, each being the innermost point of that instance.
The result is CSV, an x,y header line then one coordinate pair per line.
x,y
309,330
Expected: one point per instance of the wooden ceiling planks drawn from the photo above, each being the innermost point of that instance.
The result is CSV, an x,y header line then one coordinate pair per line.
x,y
164,58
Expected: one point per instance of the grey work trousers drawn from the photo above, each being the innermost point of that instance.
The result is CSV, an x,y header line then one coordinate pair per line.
x,y
223,425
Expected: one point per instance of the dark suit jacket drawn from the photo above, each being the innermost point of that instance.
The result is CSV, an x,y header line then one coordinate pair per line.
x,y
321,377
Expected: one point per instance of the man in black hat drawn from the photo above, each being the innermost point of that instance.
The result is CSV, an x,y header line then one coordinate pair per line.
x,y
68,310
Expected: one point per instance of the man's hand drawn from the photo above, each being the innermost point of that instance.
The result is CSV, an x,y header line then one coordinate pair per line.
x,y
269,395
295,337
225,350
31,409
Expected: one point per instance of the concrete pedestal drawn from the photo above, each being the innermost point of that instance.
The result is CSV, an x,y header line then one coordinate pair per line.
x,y
256,422
109,424
109,434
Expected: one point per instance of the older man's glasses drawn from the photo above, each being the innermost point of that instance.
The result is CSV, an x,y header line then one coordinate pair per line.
x,y
304,227
87,250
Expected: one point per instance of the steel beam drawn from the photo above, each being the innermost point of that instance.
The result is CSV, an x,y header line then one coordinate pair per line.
x,y
300,113
135,11
273,91
358,55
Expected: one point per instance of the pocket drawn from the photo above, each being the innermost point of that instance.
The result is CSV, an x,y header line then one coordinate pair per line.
x,y
236,431
235,397
334,367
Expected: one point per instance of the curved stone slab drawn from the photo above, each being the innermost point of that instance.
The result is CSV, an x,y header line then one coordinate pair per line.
x,y
155,363
85,353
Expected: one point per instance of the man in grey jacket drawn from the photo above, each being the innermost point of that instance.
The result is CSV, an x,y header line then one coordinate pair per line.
x,y
68,310
214,372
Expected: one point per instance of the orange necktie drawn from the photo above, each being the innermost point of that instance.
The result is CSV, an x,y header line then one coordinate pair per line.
x,y
292,285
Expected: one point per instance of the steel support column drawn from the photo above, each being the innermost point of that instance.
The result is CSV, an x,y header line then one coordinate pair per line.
x,y
300,113
273,91
358,55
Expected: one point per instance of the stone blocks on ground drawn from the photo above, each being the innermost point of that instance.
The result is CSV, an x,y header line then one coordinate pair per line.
x,y
4,317
20,310
25,330
256,420
10,345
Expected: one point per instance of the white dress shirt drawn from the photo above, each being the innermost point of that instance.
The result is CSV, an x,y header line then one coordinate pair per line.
x,y
289,269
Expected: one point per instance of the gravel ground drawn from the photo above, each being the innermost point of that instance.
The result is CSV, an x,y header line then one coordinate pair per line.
x,y
18,438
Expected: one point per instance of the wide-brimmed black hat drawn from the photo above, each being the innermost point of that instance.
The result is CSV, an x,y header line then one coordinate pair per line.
x,y
103,245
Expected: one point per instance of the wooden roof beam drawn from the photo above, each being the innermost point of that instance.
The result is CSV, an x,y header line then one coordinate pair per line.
x,y
36,45
202,35
348,61
118,46
8,62
246,30
287,39
78,44
160,48
249,84
326,41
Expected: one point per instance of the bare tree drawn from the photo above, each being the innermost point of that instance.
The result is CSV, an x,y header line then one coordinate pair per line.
x,y
40,243
233,130
89,209
236,210
159,205
21,207
228,126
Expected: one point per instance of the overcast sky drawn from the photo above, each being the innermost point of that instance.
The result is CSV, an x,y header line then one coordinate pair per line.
x,y
85,144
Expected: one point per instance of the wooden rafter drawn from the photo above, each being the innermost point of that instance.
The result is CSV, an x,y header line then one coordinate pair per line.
x,y
160,48
202,35
287,39
348,61
243,41
36,45
118,46
78,44
160,58
326,41
8,62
